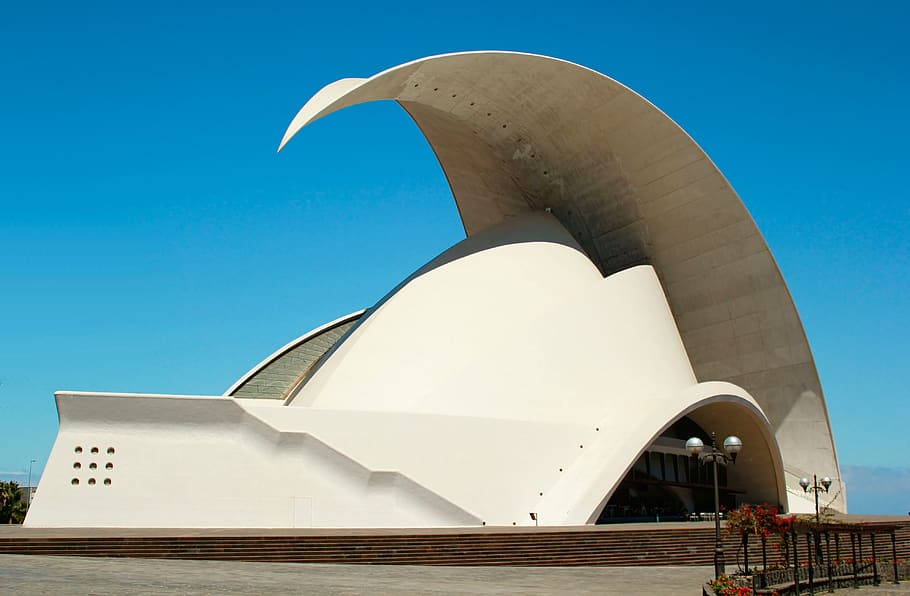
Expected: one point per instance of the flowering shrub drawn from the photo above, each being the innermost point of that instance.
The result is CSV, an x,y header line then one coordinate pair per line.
x,y
761,520
724,586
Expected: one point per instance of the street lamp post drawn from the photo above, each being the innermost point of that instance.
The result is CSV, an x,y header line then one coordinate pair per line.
x,y
732,446
815,488
28,490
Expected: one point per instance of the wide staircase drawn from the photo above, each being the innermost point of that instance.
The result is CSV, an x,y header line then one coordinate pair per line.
x,y
644,544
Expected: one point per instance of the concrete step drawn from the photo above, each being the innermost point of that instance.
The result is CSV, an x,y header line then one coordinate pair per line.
x,y
592,546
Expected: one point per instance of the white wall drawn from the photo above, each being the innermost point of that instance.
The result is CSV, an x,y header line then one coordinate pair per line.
x,y
184,461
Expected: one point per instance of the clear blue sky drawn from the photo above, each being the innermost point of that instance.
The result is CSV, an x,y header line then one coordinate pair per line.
x,y
152,241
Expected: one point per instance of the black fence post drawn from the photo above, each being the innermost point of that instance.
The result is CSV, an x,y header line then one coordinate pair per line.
x,y
828,549
894,555
786,542
746,551
875,579
809,557
853,549
795,561
764,560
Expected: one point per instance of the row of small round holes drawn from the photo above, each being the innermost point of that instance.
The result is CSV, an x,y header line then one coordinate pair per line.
x,y
110,450
545,172
454,95
93,466
91,481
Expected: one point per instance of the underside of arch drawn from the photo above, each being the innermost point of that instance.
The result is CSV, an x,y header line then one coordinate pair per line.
x,y
758,472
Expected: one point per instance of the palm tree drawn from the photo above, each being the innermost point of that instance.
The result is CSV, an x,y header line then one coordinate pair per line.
x,y
12,507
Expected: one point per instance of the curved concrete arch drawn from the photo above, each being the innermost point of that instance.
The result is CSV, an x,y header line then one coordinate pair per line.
x,y
715,406
759,469
519,132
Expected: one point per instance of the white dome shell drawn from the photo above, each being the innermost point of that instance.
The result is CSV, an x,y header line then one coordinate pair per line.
x,y
512,323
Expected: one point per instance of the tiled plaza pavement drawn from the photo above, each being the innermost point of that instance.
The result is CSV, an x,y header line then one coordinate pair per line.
x,y
902,589
27,574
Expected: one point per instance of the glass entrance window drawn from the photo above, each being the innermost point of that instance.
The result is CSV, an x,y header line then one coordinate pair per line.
x,y
657,465
671,468
682,466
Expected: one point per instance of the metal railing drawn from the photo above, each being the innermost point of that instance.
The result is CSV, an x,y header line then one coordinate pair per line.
x,y
814,566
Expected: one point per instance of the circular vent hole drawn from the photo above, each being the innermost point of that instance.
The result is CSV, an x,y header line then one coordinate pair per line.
x,y
107,482
95,450
91,481
110,451
74,481
77,466
78,449
108,466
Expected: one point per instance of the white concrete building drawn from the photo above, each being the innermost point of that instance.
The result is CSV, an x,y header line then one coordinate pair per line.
x,y
612,298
